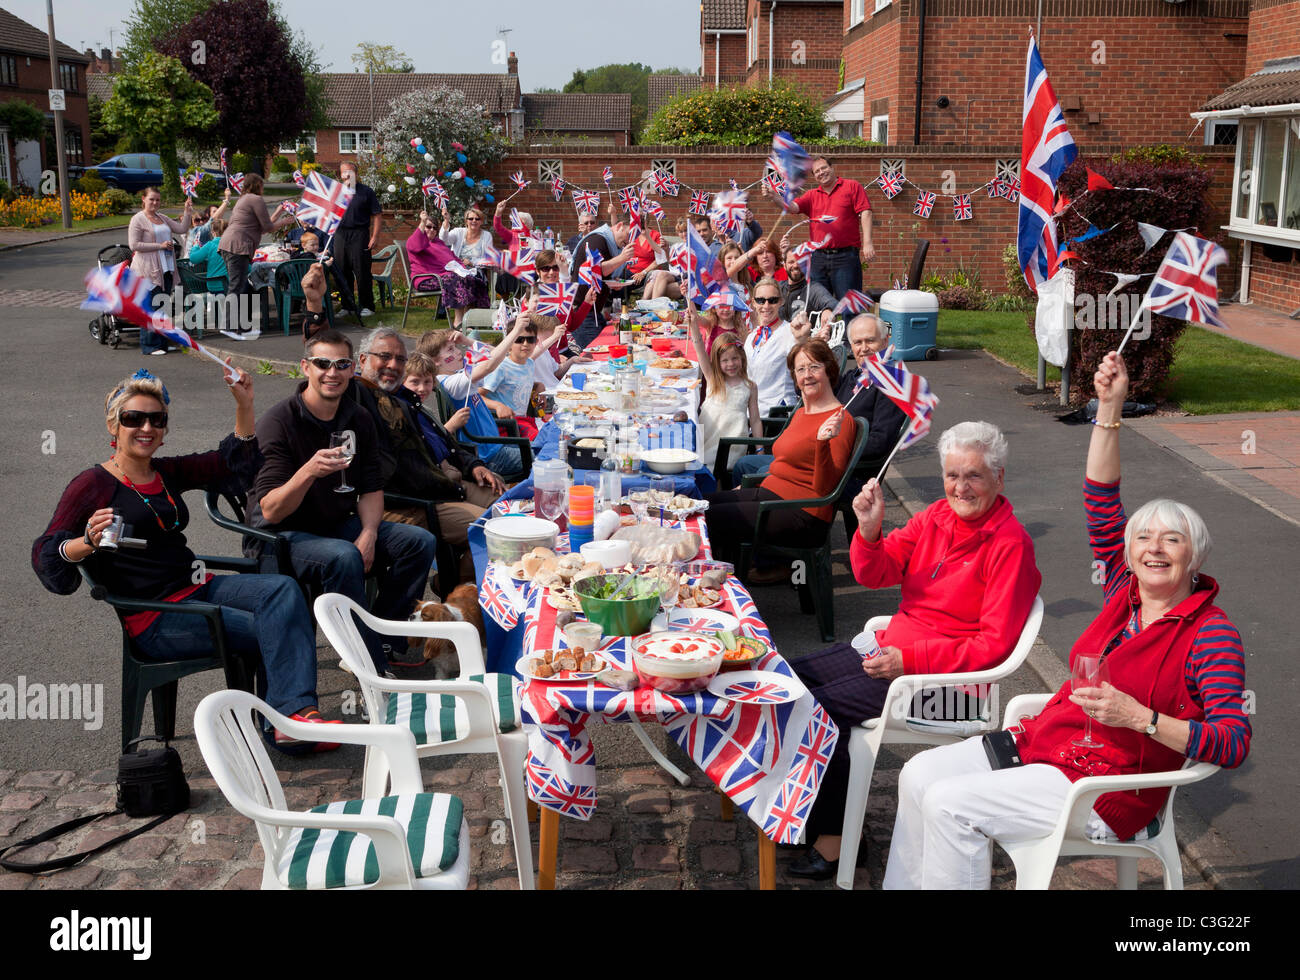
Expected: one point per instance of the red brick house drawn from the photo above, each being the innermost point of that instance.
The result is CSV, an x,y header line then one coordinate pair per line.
x,y
578,117
800,41
723,42
25,77
1264,110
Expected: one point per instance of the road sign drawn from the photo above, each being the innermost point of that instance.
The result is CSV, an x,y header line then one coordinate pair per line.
x,y
57,102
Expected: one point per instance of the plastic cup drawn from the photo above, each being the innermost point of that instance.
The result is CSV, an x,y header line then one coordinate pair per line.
x,y
661,345
866,645
579,379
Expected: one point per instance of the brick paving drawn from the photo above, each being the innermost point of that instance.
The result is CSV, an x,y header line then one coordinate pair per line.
x,y
61,298
1260,327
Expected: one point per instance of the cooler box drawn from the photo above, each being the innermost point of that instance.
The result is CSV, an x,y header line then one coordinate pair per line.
x,y
913,318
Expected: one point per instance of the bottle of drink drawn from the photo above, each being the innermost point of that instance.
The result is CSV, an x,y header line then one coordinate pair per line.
x,y
564,456
611,482
548,238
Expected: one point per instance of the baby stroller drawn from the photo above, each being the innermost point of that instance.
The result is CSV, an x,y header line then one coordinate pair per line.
x,y
106,328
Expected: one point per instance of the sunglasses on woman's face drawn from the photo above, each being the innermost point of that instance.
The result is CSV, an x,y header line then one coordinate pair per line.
x,y
767,300
134,420
324,363
548,268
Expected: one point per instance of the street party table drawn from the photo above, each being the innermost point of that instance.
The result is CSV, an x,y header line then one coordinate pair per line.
x,y
764,743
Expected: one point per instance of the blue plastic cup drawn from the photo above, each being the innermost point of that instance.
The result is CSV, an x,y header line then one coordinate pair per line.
x,y
579,379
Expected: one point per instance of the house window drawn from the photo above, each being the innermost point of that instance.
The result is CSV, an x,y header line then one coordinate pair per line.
x,y
880,129
68,77
1266,196
1220,132
856,12
8,69
897,166
882,4
548,170
1007,171
355,140
72,143
306,139
4,156
752,38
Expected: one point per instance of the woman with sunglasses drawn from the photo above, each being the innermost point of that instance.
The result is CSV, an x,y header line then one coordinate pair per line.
x,y
468,245
430,257
264,615
766,346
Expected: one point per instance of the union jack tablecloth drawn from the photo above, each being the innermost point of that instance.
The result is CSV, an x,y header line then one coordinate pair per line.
x,y
769,759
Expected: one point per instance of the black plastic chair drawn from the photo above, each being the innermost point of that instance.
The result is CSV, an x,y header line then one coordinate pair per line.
x,y
288,287
471,441
913,273
815,593
143,676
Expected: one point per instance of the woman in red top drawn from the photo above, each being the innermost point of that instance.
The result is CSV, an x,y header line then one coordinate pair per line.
x,y
264,615
968,577
1175,692
809,457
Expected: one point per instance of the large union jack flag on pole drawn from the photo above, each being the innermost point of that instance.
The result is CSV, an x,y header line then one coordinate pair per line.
x,y
1046,149
324,201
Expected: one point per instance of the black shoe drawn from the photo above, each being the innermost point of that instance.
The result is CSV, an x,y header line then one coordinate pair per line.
x,y
812,865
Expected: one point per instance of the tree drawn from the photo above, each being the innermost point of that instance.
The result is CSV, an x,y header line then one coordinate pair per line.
x,y
245,54
438,116
23,120
153,20
629,78
372,57
102,140
157,102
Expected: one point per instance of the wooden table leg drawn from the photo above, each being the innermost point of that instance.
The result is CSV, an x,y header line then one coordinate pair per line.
x,y
548,836
533,812
766,863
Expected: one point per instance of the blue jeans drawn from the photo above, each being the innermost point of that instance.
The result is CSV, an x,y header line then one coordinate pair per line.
x,y
506,461
755,463
838,271
330,562
264,614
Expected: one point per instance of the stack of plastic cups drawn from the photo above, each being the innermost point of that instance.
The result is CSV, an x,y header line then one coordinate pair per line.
x,y
582,515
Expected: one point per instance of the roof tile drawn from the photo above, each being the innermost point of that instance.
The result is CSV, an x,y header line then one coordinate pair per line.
x,y
349,92
20,36
567,111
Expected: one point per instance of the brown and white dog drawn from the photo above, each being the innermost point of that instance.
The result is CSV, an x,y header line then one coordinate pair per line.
x,y
461,606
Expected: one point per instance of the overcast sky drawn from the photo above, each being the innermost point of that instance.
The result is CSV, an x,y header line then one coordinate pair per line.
x,y
545,35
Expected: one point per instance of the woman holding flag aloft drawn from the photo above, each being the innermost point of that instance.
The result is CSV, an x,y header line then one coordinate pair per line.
x,y
1175,692
265,616
968,576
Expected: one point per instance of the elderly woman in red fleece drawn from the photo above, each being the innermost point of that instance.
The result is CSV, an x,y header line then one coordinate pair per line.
x,y
1176,684
967,570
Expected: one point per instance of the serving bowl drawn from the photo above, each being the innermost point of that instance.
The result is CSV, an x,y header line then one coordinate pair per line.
x,y
676,661
611,554
669,460
617,617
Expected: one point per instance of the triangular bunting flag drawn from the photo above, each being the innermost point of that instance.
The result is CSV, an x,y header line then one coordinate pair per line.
x,y
1150,234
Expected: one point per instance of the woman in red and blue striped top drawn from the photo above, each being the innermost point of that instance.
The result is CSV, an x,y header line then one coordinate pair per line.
x,y
1176,692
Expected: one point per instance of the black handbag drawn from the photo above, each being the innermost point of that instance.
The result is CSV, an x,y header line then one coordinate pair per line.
x,y
150,783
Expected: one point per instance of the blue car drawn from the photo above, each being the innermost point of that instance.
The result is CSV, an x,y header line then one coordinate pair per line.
x,y
135,171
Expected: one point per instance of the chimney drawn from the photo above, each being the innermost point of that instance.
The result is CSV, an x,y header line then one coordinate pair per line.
x,y
107,55
512,65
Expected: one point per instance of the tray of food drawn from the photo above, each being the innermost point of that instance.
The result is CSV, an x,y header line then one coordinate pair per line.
x,y
570,664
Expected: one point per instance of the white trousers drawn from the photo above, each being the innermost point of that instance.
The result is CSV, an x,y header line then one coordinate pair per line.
x,y
952,805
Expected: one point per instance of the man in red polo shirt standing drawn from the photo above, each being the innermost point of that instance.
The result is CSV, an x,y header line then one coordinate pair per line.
x,y
838,266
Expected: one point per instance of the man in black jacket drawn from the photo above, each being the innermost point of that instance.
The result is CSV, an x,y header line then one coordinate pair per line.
x,y
439,469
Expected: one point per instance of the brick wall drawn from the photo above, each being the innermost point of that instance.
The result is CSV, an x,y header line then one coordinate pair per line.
x,y
1274,285
976,243
1274,32
815,62
729,54
1161,61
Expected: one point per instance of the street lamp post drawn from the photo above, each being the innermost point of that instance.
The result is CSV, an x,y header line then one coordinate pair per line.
x,y
64,202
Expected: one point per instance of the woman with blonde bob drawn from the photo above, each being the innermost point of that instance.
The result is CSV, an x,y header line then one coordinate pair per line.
x,y
265,616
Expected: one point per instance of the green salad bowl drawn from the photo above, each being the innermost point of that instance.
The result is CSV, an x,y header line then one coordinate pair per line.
x,y
619,617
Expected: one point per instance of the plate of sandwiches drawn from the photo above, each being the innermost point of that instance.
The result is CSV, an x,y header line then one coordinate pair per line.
x,y
572,664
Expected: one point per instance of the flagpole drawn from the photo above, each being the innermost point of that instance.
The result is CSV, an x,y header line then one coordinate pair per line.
x,y
1136,316
897,446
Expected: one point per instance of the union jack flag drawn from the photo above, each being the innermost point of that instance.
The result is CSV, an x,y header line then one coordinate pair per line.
x,y
627,196
547,788
490,256
729,210
854,302
223,160
189,184
432,188
665,183
995,187
803,255
557,188
1185,286
119,291
961,210
908,391
731,182
789,161
1046,149
323,202
556,299
522,264
728,295
891,183
236,182
290,207
924,204
516,222
492,597
518,179
699,202
707,272
589,274
1010,189
298,178
586,202
679,260
607,175
773,182
634,215
654,209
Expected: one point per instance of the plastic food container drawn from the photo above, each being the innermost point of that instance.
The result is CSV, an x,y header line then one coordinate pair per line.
x,y
676,662
510,538
611,554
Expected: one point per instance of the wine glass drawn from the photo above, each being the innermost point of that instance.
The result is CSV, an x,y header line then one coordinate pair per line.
x,y
346,443
670,580
662,489
1085,672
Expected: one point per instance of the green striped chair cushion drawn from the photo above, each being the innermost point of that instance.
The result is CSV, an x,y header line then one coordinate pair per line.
x,y
315,858
438,718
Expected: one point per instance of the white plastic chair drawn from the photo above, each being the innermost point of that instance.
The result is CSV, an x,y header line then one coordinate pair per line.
x,y
409,839
1036,859
893,727
473,700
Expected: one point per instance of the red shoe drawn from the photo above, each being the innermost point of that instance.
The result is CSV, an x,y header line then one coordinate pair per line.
x,y
310,716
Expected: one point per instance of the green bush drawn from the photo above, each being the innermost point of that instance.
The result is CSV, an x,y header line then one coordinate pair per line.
x,y
1007,303
738,116
121,201
207,187
7,193
281,164
1160,155
241,163
959,289
306,154
1016,285
91,183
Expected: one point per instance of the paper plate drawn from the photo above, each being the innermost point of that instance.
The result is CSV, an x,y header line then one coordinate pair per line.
x,y
761,687
697,620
